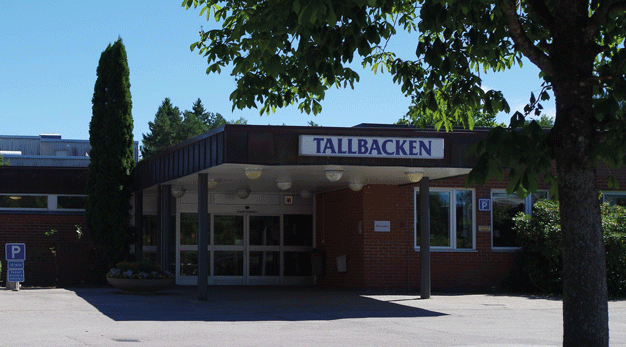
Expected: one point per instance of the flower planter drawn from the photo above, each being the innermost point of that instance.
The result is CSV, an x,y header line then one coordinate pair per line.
x,y
139,285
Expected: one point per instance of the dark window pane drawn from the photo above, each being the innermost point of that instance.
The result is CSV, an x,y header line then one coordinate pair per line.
x,y
71,202
439,219
264,230
298,264
264,263
188,228
149,225
23,201
228,263
188,263
228,230
504,208
464,220
298,230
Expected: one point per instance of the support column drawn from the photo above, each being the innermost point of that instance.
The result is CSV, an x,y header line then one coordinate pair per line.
x,y
424,219
203,235
139,225
166,230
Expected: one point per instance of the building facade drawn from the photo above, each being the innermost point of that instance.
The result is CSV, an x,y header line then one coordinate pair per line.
x,y
272,205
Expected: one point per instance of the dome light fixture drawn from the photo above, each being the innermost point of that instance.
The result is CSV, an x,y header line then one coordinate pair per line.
x,y
414,175
334,175
243,193
178,191
283,184
253,172
355,185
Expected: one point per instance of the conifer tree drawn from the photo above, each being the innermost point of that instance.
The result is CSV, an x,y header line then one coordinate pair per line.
x,y
165,131
111,156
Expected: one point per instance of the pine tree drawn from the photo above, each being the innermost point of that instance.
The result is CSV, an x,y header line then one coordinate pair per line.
x,y
111,156
165,131
169,129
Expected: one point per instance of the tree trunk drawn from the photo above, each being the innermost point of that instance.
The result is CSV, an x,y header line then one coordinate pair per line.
x,y
585,307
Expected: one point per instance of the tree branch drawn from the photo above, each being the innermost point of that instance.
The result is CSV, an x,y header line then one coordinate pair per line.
x,y
522,42
601,16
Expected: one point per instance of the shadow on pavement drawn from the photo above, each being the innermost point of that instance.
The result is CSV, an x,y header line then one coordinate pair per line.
x,y
244,303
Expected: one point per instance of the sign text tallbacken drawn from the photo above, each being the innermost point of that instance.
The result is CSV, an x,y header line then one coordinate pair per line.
x,y
366,146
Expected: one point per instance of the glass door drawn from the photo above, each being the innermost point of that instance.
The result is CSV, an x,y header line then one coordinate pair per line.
x,y
264,249
246,248
228,250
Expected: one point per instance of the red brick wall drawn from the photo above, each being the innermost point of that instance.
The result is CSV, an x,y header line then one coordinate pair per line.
x,y
339,214
388,259
75,258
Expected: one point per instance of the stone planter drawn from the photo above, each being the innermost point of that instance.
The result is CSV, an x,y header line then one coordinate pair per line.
x,y
136,285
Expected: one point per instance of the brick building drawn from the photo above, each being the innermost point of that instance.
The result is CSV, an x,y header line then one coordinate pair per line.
x,y
275,200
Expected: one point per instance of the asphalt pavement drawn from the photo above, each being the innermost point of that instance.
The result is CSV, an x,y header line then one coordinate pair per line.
x,y
281,316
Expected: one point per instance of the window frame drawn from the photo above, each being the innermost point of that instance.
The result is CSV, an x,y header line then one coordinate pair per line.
x,y
49,202
56,205
528,207
452,220
612,192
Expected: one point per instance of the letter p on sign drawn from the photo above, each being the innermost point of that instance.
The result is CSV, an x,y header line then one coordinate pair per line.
x,y
15,251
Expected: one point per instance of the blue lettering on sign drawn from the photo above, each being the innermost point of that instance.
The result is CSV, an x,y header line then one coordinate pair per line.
x,y
340,147
428,149
329,146
375,147
318,141
384,147
372,146
350,150
400,147
362,146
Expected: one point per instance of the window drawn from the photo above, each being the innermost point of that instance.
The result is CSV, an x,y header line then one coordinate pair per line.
x,y
503,208
71,202
614,198
20,201
451,219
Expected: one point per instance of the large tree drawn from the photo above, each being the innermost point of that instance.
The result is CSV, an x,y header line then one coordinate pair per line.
x,y
169,128
111,155
291,51
165,131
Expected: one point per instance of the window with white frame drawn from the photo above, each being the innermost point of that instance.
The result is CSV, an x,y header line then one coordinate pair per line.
x,y
24,201
43,202
451,218
614,198
503,208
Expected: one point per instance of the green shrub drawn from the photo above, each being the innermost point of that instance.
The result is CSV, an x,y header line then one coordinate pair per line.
x,y
539,262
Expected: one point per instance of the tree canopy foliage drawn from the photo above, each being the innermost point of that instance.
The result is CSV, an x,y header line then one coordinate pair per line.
x,y
292,51
170,128
111,155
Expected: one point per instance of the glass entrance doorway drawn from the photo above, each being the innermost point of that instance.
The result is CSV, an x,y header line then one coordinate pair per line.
x,y
247,247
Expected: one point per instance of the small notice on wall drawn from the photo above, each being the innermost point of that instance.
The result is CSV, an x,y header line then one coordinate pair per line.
x,y
382,226
484,228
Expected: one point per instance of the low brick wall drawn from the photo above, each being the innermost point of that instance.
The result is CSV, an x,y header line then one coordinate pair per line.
x,y
73,259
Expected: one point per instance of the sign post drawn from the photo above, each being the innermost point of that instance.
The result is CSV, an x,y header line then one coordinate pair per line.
x,y
15,254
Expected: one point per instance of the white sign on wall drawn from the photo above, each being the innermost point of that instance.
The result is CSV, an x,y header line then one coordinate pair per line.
x,y
382,226
377,147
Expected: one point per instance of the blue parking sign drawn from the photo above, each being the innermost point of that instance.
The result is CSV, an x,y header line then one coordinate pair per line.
x,y
15,251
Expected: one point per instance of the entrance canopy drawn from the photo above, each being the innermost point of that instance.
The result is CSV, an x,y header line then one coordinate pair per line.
x,y
308,159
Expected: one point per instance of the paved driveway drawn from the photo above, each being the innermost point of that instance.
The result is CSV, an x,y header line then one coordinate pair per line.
x,y
281,316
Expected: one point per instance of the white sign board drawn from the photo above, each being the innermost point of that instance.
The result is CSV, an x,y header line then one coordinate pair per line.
x,y
372,147
382,226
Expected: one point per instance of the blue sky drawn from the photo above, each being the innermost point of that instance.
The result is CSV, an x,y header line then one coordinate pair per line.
x,y
49,53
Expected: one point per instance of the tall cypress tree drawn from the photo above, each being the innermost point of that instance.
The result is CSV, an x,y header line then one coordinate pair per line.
x,y
111,154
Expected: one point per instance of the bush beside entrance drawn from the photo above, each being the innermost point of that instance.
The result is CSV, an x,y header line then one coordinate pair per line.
x,y
539,262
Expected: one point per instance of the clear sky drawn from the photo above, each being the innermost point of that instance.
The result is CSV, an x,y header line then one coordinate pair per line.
x,y
49,52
